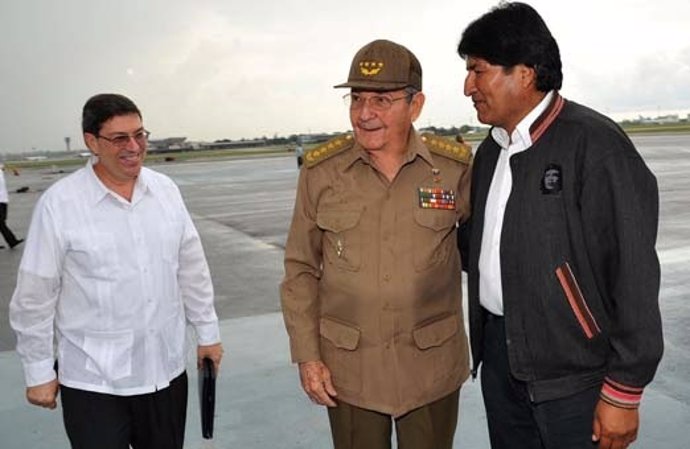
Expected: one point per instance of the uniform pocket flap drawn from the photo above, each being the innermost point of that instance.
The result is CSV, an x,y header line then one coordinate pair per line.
x,y
435,219
341,335
436,332
338,221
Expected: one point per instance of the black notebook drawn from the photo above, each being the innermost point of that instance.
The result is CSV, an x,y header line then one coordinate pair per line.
x,y
207,397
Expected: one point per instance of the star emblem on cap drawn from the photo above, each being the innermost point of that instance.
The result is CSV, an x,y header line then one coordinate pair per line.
x,y
370,68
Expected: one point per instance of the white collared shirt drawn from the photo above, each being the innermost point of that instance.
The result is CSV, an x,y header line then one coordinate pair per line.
x,y
490,285
113,283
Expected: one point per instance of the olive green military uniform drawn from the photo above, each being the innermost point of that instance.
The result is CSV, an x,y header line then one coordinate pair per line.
x,y
372,281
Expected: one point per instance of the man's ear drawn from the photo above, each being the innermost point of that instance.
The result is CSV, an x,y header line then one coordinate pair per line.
x,y
416,105
528,75
91,142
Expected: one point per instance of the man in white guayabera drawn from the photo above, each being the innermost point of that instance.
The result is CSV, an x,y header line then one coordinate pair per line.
x,y
112,272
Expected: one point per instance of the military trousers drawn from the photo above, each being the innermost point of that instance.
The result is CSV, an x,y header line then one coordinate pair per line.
x,y
429,427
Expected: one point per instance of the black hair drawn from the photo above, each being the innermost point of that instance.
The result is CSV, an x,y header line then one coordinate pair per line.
x,y
514,33
102,107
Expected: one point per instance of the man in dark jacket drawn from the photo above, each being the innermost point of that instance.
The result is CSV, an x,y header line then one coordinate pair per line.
x,y
563,272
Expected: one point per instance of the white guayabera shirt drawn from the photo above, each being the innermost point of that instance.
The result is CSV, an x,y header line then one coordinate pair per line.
x,y
113,284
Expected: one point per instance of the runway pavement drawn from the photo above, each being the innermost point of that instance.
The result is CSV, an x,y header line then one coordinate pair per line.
x,y
242,209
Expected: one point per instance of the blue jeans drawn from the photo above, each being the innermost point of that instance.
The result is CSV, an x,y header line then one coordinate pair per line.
x,y
516,422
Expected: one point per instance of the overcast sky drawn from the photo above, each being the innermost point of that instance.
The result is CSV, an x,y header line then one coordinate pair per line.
x,y
213,69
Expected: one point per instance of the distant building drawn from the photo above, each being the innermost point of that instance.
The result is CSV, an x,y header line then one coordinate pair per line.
x,y
233,144
315,138
167,144
672,118
660,120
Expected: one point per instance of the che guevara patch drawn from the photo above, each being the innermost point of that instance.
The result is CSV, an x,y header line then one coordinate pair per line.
x,y
552,180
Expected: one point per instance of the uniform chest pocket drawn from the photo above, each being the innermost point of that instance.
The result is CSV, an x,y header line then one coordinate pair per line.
x,y
342,238
432,237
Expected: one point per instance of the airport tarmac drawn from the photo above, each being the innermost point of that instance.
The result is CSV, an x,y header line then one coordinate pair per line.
x,y
242,209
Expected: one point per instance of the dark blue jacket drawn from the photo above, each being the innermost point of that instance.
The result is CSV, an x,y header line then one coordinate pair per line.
x,y
578,261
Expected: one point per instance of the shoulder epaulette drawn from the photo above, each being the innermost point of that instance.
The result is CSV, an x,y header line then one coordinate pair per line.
x,y
461,152
328,149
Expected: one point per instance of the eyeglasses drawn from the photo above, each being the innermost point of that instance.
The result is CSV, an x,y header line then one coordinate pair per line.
x,y
140,137
377,103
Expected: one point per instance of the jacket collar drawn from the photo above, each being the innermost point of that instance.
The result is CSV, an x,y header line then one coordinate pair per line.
x,y
546,118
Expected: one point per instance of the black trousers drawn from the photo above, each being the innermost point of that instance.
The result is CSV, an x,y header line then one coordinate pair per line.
x,y
515,422
147,421
429,427
4,230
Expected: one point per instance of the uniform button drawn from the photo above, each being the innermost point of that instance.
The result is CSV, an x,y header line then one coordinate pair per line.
x,y
508,342
386,277
387,345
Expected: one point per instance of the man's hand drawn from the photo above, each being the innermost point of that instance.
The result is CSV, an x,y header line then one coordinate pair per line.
x,y
316,382
44,395
213,352
614,427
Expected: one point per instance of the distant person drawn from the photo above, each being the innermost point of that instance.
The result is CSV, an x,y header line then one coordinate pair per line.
x,y
7,234
372,295
113,270
299,154
563,272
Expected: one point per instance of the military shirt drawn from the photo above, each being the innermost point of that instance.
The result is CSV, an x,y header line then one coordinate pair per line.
x,y
372,281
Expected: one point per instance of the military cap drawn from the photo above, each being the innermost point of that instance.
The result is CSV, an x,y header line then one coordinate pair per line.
x,y
384,65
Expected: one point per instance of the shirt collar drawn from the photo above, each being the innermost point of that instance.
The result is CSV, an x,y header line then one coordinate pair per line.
x,y
97,191
415,147
521,135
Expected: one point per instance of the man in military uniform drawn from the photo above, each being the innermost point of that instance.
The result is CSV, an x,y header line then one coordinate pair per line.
x,y
372,295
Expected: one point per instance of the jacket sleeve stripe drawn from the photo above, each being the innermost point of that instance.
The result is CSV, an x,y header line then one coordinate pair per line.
x,y
623,388
619,398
